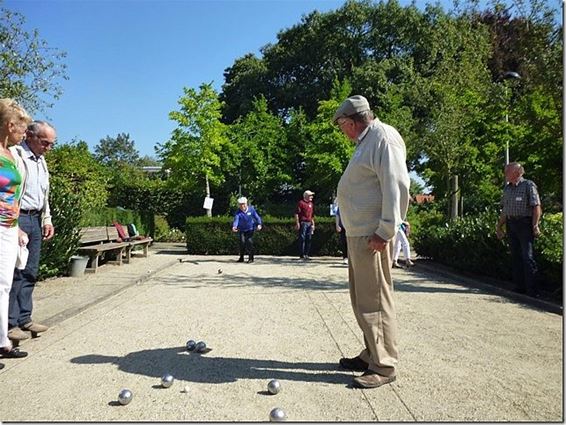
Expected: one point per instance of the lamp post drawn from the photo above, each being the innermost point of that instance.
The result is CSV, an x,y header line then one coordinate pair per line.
x,y
509,75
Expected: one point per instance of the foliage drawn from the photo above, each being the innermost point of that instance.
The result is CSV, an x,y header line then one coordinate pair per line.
x,y
30,70
213,236
66,218
470,244
113,151
199,150
107,216
73,168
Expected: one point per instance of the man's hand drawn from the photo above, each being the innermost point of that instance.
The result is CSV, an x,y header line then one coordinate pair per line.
x,y
234,229
48,231
298,226
376,243
536,231
499,231
338,229
259,227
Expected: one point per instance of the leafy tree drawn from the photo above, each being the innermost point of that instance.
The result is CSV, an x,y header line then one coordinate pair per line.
x,y
261,153
112,151
74,168
30,70
327,151
243,81
198,152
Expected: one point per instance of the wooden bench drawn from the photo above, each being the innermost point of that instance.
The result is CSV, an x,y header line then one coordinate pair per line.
x,y
97,241
137,241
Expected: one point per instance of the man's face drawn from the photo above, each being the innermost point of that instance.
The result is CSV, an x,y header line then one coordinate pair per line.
x,y
243,206
348,127
42,140
309,198
512,174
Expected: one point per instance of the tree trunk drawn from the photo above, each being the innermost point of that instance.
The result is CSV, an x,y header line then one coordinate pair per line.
x,y
454,198
208,210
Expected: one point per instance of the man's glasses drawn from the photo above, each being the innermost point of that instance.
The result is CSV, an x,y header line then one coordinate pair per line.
x,y
46,143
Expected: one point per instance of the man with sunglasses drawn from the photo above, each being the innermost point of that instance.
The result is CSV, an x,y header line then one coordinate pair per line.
x,y
373,194
35,220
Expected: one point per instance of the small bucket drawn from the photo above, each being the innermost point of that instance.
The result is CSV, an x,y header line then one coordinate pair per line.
x,y
78,265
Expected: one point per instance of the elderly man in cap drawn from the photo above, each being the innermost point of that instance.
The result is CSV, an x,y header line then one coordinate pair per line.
x,y
246,221
373,194
304,218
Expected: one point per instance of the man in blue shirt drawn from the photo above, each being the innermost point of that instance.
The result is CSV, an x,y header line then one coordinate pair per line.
x,y
246,220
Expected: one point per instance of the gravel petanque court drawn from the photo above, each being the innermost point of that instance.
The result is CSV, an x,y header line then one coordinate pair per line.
x,y
466,354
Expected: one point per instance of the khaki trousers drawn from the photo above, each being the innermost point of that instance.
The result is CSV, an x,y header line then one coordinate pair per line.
x,y
371,294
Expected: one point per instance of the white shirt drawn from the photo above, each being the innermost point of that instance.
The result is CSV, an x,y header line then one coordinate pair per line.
x,y
37,181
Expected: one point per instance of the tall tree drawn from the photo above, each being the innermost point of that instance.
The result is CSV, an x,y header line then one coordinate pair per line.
x,y
198,152
117,150
30,70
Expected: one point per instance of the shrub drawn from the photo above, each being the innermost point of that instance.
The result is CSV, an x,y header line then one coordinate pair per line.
x,y
214,236
66,216
470,244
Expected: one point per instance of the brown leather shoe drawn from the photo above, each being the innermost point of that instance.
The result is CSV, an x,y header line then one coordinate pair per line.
x,y
371,379
16,334
355,363
34,327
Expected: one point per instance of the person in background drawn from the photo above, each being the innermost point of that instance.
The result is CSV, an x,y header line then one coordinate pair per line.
x,y
35,220
246,221
13,122
342,235
373,194
402,242
304,218
520,216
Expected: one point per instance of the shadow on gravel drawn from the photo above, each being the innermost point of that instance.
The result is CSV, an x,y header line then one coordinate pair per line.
x,y
193,367
245,280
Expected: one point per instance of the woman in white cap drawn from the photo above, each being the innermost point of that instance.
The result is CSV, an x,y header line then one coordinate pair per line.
x,y
246,221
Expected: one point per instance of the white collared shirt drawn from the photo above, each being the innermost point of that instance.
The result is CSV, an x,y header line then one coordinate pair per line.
x,y
37,181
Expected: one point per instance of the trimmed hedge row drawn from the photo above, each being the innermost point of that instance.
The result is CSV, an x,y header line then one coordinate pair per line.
x,y
214,236
470,244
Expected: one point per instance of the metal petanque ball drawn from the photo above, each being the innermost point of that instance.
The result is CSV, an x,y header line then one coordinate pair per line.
x,y
191,345
273,386
201,346
167,380
125,396
277,415
219,271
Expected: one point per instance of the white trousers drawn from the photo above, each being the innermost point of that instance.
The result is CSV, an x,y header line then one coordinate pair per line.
x,y
8,255
401,242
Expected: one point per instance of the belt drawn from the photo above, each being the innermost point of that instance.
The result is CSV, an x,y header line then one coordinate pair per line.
x,y
519,217
30,212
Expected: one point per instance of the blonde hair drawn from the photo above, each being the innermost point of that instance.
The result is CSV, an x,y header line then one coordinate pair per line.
x,y
12,111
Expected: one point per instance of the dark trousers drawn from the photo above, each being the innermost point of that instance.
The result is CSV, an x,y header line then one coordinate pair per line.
x,y
246,243
21,305
343,243
521,240
305,234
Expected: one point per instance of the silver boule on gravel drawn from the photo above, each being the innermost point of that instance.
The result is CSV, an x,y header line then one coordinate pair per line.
x,y
167,380
273,386
125,396
277,415
200,347
191,345
219,271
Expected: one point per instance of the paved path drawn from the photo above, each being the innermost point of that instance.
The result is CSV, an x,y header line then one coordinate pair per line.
x,y
467,354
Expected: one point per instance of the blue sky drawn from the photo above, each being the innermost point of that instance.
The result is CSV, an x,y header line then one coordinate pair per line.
x,y
128,60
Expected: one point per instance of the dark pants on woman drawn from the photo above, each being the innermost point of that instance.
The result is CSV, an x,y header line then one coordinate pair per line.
x,y
21,304
246,244
305,234
521,240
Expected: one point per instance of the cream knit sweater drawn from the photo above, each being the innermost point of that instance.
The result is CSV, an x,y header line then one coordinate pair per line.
x,y
373,192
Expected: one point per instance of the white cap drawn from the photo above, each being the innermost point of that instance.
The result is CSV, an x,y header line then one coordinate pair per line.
x,y
308,193
242,200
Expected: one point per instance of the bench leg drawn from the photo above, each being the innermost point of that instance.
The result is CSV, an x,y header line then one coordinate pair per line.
x,y
128,254
93,264
118,260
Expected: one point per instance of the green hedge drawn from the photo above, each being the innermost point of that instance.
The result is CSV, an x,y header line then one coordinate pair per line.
x,y
214,236
470,244
106,216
